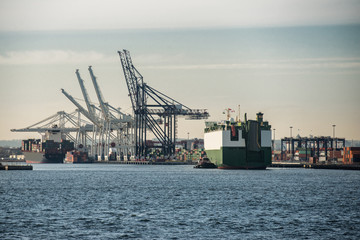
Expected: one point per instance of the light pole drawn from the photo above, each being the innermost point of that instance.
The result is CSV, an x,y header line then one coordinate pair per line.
x,y
291,143
333,141
274,140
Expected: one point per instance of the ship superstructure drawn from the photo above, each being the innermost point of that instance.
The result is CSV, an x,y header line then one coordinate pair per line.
x,y
51,149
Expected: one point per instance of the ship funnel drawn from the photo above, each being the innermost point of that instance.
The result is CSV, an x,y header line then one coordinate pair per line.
x,y
259,118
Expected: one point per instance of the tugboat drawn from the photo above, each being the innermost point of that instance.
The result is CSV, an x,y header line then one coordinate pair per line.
x,y
205,163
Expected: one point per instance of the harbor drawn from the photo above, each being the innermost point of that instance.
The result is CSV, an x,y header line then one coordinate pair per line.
x,y
104,134
198,120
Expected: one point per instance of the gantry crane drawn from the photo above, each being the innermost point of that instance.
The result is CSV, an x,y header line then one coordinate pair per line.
x,y
97,127
149,103
122,124
112,128
65,124
107,124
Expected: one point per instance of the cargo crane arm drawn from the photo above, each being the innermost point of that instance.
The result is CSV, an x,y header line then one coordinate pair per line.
x,y
124,117
38,123
171,106
103,106
134,80
64,130
165,106
137,78
81,109
85,94
129,83
57,122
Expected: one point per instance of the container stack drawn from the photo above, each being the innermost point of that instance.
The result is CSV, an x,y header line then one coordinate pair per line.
x,y
351,155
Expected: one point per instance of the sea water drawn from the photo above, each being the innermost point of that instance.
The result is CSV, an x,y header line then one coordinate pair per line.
x,y
95,201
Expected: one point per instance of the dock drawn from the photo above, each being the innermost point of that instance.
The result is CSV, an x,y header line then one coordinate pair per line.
x,y
8,167
146,162
315,166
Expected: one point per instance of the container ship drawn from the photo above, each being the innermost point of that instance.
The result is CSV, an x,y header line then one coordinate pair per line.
x,y
50,150
239,145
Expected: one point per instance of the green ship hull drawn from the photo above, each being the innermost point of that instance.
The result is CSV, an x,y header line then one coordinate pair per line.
x,y
240,158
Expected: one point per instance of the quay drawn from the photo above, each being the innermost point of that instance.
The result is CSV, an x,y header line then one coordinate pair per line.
x,y
146,162
315,166
8,167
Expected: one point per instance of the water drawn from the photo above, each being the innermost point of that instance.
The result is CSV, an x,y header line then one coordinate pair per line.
x,y
64,201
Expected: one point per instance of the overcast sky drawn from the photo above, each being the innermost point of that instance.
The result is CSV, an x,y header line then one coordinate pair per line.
x,y
115,14
297,61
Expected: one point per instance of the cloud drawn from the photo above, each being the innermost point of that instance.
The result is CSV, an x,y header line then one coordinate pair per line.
x,y
121,14
158,61
51,57
309,63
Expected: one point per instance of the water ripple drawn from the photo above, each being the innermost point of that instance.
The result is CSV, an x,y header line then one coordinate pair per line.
x,y
178,202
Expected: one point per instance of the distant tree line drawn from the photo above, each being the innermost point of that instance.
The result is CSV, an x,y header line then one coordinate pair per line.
x,y
10,143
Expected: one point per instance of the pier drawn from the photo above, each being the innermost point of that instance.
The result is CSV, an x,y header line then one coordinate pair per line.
x,y
315,166
146,162
8,167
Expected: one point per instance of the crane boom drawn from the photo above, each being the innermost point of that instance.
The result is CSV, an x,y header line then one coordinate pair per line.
x,y
85,94
137,81
103,106
129,81
88,129
81,109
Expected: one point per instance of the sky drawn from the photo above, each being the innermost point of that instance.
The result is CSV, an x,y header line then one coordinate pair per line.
x,y
296,61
